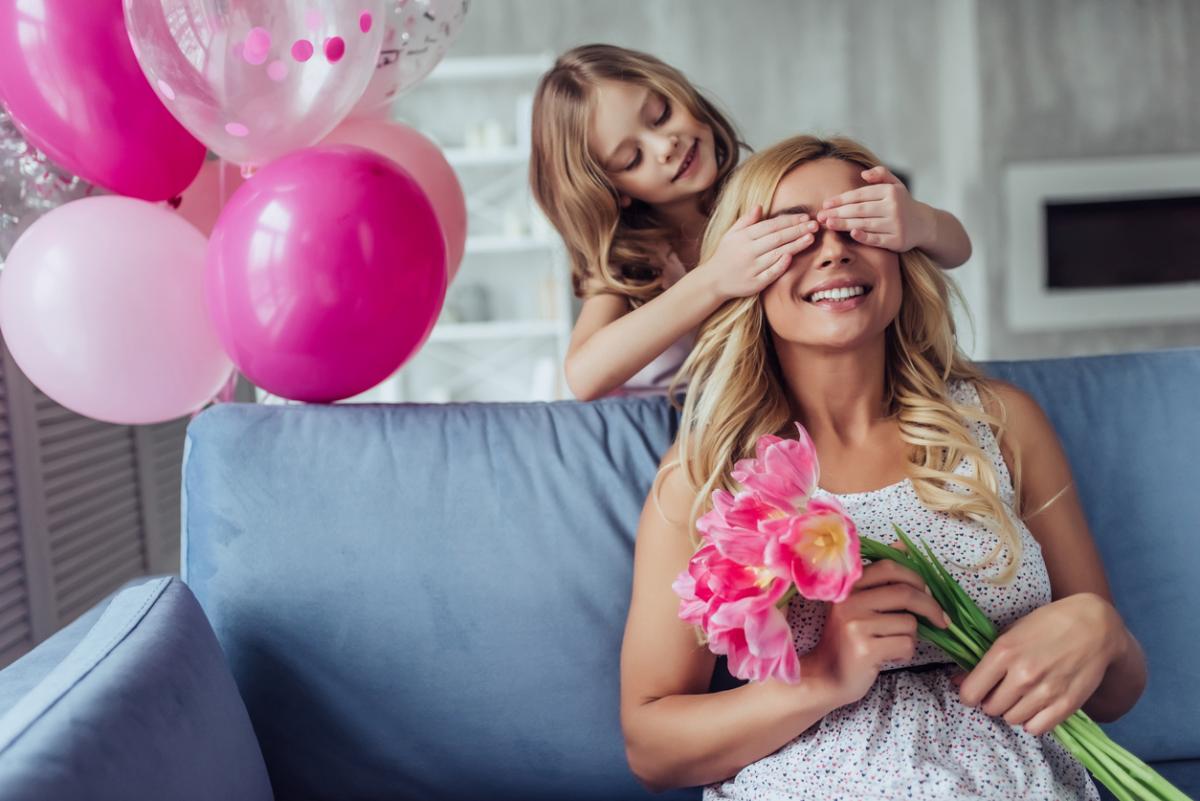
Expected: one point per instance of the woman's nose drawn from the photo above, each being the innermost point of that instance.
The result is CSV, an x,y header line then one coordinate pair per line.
x,y
833,249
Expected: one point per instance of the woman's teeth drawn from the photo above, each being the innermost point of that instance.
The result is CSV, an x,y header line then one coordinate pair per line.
x,y
841,293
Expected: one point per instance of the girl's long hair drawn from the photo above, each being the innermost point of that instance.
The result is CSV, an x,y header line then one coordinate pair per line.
x,y
737,390
612,249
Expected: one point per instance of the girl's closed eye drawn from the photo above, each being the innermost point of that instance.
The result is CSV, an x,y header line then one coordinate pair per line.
x,y
665,114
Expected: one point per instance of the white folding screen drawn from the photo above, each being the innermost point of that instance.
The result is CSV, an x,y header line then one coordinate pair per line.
x,y
84,507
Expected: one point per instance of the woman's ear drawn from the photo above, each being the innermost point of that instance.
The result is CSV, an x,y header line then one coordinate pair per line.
x,y
624,200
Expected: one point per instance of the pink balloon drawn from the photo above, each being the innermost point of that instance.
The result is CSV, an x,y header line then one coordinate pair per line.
x,y
421,159
255,79
102,306
200,204
69,79
326,272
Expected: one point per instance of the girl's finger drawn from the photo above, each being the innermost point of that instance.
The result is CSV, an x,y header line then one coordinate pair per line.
x,y
776,269
748,219
787,249
1026,708
775,224
868,238
880,174
876,224
856,196
866,208
782,237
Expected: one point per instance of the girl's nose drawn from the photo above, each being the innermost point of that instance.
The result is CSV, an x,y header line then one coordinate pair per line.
x,y
667,147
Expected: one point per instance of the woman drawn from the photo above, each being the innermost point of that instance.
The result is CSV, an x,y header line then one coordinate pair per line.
x,y
857,343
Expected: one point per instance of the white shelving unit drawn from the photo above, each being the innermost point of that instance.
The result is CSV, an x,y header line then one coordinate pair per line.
x,y
504,330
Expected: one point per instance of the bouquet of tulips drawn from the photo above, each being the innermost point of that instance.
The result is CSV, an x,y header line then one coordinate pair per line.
x,y
773,540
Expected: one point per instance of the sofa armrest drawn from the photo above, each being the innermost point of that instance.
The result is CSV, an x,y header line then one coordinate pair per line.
x,y
142,705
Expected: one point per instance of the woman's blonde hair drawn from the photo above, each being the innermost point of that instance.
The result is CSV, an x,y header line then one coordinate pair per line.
x,y
737,385
612,249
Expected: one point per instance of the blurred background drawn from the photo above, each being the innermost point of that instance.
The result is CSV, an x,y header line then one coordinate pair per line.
x,y
1065,134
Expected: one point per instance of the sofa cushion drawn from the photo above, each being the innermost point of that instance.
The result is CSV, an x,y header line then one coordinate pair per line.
x,y
425,601
143,707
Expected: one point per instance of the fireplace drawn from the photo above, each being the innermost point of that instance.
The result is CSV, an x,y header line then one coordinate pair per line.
x,y
1095,243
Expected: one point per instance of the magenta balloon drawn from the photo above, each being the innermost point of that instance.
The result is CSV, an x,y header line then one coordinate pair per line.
x,y
69,79
326,272
423,160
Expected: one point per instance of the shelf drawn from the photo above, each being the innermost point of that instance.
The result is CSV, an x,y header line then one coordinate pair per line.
x,y
501,156
508,244
496,329
495,68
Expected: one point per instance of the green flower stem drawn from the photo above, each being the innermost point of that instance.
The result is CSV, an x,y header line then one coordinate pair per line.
x,y
1097,769
969,637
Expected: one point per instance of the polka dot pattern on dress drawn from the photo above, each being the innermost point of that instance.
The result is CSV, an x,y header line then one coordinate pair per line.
x,y
910,736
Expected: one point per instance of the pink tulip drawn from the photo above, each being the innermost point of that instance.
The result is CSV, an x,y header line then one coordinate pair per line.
x,y
818,550
712,580
733,526
755,640
784,472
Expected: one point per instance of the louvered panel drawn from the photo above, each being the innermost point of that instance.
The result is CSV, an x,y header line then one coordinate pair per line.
x,y
122,509
94,435
7,504
118,482
15,642
84,511
99,579
61,482
11,557
53,429
12,577
95,540
95,458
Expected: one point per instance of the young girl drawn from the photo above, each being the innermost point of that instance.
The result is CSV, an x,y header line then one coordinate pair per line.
x,y
627,160
907,432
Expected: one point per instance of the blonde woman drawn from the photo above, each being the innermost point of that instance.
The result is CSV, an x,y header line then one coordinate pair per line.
x,y
857,343
627,159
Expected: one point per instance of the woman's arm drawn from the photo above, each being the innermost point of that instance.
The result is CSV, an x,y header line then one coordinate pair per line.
x,y
676,733
1076,651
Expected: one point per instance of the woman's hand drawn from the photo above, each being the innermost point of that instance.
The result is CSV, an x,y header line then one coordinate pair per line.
x,y
882,215
754,252
876,624
1043,668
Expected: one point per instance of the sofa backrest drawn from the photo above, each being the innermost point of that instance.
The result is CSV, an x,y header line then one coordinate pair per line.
x,y
428,601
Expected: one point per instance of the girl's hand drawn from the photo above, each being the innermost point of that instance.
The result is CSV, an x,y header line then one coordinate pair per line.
x,y
754,252
883,215
1043,668
876,624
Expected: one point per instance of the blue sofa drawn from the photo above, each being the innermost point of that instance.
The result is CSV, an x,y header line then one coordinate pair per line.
x,y
427,602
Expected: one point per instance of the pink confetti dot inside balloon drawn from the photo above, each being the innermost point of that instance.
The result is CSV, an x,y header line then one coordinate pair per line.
x,y
335,48
166,89
302,50
258,44
364,21
236,129
314,20
277,70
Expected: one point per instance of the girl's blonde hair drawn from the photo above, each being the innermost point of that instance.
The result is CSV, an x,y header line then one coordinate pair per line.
x,y
612,249
737,390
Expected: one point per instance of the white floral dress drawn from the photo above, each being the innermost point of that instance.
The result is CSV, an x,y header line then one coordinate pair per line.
x,y
911,737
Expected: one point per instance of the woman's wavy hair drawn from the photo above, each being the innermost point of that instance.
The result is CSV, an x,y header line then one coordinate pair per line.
x,y
737,390
612,249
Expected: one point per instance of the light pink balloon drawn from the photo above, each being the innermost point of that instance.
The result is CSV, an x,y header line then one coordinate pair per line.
x,y
102,306
200,204
255,79
421,159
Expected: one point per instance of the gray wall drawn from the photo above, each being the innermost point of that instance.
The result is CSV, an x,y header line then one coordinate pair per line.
x,y
950,91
